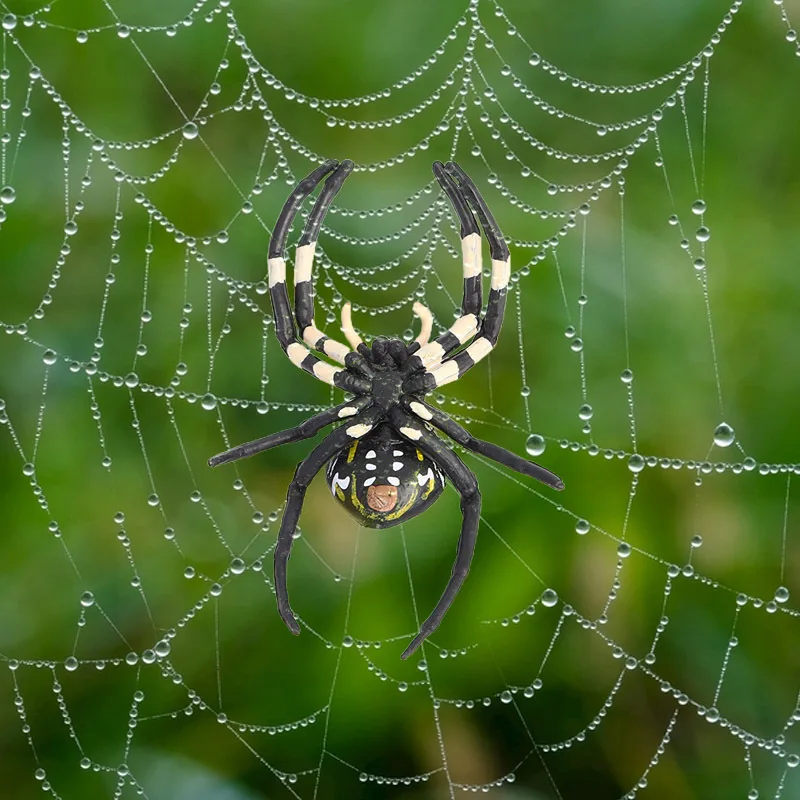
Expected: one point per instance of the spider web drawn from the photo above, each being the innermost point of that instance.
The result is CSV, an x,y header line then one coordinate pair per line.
x,y
634,636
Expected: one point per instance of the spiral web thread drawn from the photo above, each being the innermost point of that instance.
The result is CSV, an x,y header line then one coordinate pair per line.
x,y
474,123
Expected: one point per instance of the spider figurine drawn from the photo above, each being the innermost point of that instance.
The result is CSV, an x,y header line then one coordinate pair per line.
x,y
385,462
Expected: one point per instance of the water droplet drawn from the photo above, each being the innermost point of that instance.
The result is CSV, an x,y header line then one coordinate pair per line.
x,y
71,228
190,130
152,500
49,357
724,435
673,219
162,648
131,380
782,594
208,402
82,37
585,411
626,376
237,566
576,345
262,407
699,264
623,550
697,540
71,664
188,573
87,599
7,195
549,598
535,445
123,31
347,641
582,527
699,207
506,697
402,686
535,59
9,22
636,463
702,234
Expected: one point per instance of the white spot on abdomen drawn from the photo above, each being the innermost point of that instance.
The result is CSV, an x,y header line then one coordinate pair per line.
x,y
337,481
422,479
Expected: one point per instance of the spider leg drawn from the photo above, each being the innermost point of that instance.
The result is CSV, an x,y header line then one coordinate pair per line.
x,y
466,326
298,353
303,290
305,472
453,368
304,430
488,449
466,484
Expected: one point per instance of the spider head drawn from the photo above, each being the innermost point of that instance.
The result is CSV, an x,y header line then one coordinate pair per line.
x,y
383,480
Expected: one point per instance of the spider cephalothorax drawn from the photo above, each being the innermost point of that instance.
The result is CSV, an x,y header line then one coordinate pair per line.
x,y
385,462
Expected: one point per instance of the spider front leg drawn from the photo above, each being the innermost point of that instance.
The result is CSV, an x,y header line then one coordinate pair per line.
x,y
304,474
461,435
466,484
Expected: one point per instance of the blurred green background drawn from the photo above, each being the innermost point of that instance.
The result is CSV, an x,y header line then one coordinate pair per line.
x,y
330,719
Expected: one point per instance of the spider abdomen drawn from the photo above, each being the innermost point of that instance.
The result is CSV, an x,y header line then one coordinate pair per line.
x,y
382,480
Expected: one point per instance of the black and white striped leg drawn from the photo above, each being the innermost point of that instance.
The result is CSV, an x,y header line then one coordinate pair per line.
x,y
304,430
303,284
452,369
493,451
465,327
298,353
466,484
304,474
470,242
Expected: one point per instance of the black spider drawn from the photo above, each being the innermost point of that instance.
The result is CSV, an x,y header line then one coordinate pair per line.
x,y
386,464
